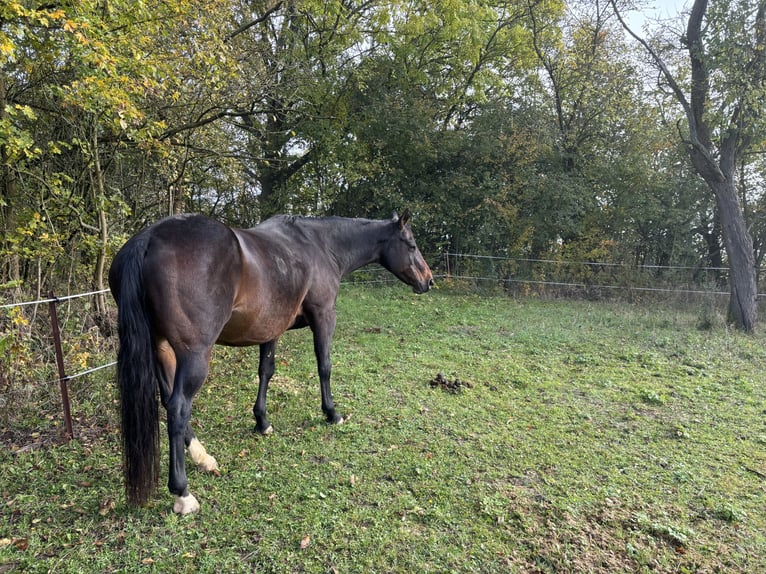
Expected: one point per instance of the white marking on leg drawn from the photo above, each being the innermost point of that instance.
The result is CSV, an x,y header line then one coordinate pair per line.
x,y
185,504
201,458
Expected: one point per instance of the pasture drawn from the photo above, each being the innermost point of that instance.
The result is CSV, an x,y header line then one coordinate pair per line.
x,y
582,437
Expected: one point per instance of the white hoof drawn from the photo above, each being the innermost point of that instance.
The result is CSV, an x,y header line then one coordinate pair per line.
x,y
210,464
185,504
344,419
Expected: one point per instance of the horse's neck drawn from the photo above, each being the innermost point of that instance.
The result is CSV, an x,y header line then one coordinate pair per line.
x,y
357,243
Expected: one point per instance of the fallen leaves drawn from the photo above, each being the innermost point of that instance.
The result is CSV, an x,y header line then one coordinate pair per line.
x,y
20,544
106,507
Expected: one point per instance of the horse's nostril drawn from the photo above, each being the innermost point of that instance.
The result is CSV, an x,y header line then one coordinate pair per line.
x,y
431,282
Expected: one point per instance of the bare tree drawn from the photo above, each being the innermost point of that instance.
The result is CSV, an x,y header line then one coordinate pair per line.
x,y
726,55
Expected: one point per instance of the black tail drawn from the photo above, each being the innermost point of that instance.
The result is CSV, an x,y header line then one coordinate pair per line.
x,y
136,374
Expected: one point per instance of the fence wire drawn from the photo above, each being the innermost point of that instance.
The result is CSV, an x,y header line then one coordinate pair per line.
x,y
57,299
517,275
581,278
52,299
547,274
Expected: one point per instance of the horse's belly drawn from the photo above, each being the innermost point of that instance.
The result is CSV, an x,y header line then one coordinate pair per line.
x,y
243,329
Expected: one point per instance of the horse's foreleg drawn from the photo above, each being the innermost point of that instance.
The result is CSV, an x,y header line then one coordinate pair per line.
x,y
323,328
265,372
190,374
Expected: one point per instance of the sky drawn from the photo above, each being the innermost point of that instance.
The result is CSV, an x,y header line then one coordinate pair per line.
x,y
657,9
668,7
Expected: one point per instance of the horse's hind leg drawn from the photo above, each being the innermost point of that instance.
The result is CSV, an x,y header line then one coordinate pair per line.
x,y
199,455
265,372
191,371
197,452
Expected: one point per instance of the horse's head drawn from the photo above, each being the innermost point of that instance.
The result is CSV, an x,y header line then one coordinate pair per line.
x,y
402,257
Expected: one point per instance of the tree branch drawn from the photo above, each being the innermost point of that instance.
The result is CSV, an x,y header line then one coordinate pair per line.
x,y
245,27
694,107
669,78
202,121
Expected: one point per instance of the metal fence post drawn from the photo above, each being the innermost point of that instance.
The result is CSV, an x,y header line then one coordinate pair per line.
x,y
60,362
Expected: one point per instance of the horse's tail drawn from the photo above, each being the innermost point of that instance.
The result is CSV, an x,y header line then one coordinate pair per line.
x,y
136,374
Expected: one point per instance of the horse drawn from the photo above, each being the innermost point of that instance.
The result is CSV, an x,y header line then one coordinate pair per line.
x,y
189,282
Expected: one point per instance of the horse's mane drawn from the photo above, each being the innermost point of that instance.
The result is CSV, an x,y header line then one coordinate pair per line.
x,y
334,220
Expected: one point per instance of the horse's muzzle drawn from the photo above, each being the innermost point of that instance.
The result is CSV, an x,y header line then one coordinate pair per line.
x,y
424,286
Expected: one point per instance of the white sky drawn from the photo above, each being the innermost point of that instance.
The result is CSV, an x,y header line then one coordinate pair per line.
x,y
657,9
665,8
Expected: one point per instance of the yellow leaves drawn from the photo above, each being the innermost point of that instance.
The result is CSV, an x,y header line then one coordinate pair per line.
x,y
81,38
26,111
13,9
17,317
80,360
7,47
57,14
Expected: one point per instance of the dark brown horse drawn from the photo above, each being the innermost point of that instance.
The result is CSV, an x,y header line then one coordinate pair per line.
x,y
189,282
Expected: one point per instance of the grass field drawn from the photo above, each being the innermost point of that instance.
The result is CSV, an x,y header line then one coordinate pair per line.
x,y
583,437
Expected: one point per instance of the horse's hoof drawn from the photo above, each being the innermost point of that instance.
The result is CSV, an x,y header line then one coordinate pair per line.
x,y
185,504
210,464
337,419
267,431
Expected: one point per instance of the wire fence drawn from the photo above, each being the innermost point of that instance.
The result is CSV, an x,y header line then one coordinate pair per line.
x,y
56,300
26,345
585,279
484,273
53,299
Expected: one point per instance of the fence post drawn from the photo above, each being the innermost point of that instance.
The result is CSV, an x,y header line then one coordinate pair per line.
x,y
60,362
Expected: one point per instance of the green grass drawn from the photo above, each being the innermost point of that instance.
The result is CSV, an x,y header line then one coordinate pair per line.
x,y
590,437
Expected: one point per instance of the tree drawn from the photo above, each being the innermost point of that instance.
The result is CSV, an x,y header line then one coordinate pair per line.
x,y
430,123
722,103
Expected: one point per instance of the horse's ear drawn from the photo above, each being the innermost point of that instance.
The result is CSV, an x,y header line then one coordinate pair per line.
x,y
404,218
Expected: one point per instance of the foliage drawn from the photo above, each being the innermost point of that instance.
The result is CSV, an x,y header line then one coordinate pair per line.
x,y
508,128
16,362
590,438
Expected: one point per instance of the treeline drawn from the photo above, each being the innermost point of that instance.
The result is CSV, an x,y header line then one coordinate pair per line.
x,y
524,128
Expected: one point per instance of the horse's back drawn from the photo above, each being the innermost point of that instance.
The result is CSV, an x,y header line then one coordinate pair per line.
x,y
277,272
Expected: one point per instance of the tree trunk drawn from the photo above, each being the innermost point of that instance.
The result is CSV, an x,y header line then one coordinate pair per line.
x,y
743,284
739,250
717,164
8,195
99,193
